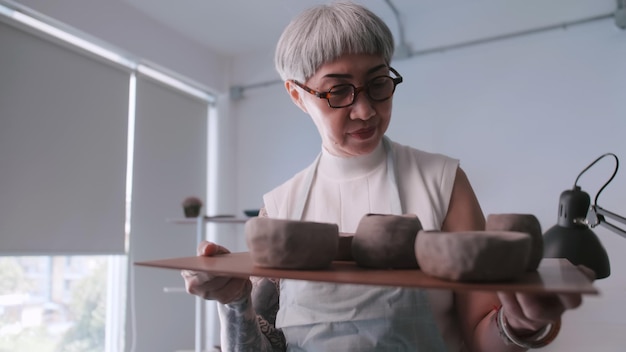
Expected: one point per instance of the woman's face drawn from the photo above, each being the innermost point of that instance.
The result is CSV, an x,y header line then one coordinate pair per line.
x,y
358,128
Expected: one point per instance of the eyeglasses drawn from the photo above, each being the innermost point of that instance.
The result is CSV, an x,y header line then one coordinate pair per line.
x,y
379,88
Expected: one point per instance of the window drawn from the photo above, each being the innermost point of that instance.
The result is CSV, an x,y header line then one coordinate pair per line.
x,y
68,153
48,306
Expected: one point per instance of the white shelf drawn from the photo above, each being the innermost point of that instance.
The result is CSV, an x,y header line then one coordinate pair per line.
x,y
224,219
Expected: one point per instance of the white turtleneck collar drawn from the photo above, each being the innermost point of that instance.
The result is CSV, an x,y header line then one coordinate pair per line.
x,y
344,168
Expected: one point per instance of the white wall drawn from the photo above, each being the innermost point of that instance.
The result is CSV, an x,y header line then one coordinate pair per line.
x,y
525,116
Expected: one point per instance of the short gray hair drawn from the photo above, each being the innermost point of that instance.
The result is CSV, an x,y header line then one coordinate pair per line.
x,y
323,33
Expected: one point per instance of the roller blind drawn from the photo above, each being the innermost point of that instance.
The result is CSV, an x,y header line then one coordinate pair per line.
x,y
63,137
170,164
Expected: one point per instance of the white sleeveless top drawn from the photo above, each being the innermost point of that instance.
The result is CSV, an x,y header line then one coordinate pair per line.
x,y
394,179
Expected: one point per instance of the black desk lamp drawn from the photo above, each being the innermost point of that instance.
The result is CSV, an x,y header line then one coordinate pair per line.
x,y
572,237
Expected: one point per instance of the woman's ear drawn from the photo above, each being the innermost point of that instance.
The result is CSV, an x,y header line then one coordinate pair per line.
x,y
295,95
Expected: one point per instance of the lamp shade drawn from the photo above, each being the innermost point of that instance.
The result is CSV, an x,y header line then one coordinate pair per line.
x,y
571,237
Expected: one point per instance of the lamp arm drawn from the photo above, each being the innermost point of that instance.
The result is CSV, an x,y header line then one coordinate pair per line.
x,y
602,214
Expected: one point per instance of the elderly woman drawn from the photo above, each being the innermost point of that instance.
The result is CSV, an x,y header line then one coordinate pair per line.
x,y
335,62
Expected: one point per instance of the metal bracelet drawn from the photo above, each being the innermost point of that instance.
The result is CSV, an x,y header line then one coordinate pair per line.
x,y
540,339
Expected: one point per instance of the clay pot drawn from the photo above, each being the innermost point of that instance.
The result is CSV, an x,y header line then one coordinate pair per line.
x,y
473,256
386,241
526,223
289,244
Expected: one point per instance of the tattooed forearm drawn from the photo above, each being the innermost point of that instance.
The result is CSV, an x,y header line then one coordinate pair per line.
x,y
248,325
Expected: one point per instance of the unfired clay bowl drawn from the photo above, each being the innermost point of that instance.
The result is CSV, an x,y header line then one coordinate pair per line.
x,y
289,244
475,256
526,223
386,241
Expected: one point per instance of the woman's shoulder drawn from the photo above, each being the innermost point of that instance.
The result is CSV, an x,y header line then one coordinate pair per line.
x,y
280,200
405,153
289,185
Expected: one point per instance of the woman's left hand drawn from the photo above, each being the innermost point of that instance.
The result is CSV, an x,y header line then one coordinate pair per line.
x,y
527,313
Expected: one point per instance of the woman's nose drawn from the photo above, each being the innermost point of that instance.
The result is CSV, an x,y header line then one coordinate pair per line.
x,y
362,109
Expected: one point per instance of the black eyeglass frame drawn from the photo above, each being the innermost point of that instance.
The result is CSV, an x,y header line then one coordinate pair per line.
x,y
327,95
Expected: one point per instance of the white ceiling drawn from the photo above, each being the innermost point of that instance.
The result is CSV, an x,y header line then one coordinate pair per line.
x,y
237,27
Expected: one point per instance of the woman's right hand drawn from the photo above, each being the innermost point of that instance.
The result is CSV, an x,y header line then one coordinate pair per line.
x,y
219,288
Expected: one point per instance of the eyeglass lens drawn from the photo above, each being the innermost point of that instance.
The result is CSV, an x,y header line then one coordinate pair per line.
x,y
378,89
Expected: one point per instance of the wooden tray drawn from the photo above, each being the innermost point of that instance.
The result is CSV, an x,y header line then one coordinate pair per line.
x,y
554,275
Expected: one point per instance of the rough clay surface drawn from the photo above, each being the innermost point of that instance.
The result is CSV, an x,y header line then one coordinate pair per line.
x,y
526,223
289,244
473,256
386,241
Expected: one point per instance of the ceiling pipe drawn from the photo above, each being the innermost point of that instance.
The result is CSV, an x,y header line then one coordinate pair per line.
x,y
236,92
620,14
404,51
563,25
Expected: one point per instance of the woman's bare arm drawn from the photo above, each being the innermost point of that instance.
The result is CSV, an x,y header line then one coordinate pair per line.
x,y
475,308
247,307
249,324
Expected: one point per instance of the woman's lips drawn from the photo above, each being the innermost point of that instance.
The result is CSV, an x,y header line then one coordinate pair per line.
x,y
363,133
